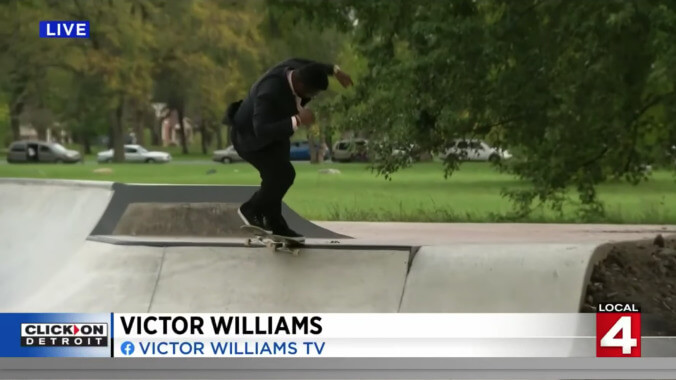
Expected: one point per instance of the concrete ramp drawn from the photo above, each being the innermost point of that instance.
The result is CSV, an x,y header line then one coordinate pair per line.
x,y
48,264
255,280
42,224
98,278
484,278
187,210
131,276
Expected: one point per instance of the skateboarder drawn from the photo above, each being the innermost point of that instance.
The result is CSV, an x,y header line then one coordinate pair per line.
x,y
261,126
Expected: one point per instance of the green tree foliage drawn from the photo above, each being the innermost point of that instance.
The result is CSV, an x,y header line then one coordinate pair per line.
x,y
193,55
23,65
580,91
80,78
201,70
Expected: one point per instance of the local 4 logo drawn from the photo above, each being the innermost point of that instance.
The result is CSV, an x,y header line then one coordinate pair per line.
x,y
618,330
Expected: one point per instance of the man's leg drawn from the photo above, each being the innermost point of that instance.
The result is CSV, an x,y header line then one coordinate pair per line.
x,y
277,176
252,211
285,175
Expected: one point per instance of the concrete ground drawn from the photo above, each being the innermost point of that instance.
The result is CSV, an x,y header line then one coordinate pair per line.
x,y
494,233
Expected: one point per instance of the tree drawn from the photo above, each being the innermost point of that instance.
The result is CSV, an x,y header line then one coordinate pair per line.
x,y
197,72
228,47
25,58
572,87
111,68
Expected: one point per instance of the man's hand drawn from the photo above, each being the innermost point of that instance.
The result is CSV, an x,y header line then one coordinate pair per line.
x,y
306,116
343,78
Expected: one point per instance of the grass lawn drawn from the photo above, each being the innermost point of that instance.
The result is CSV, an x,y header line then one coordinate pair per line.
x,y
415,194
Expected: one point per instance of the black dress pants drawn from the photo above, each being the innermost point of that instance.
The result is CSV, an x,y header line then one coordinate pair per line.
x,y
277,175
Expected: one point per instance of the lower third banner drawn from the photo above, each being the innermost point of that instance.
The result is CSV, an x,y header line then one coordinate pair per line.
x,y
613,332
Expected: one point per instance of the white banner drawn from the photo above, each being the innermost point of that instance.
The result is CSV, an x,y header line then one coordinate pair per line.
x,y
350,335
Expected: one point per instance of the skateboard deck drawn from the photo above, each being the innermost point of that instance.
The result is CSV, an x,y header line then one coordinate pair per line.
x,y
273,242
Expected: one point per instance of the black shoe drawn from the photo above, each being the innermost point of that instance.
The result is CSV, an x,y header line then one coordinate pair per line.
x,y
282,222
252,218
286,232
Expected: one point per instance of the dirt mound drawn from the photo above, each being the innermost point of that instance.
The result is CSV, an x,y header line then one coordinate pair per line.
x,y
643,272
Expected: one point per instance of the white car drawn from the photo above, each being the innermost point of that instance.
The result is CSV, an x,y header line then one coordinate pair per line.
x,y
135,153
476,150
227,155
350,150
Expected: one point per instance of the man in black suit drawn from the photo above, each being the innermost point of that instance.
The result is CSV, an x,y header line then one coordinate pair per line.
x,y
261,126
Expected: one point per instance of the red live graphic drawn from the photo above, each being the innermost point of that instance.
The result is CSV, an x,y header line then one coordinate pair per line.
x,y
618,330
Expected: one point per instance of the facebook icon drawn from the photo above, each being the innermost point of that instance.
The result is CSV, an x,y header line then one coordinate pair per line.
x,y
127,348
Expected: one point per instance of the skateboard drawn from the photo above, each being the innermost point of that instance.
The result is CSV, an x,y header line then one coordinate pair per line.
x,y
273,242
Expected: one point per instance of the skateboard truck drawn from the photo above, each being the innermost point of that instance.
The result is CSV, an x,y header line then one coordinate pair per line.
x,y
273,242
273,245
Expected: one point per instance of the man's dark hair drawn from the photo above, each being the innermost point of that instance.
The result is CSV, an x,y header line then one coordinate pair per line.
x,y
313,75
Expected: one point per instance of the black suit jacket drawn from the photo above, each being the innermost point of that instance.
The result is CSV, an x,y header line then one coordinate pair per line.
x,y
263,118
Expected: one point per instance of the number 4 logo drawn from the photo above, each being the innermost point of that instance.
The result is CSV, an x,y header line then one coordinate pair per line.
x,y
618,335
622,328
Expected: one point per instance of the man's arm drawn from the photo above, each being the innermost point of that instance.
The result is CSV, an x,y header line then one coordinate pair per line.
x,y
331,69
264,124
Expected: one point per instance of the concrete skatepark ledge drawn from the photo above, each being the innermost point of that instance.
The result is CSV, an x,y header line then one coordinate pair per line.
x,y
78,246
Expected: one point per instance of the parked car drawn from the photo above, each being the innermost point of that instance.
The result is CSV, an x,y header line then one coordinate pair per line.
x,y
40,151
350,150
379,148
300,151
227,155
135,153
476,150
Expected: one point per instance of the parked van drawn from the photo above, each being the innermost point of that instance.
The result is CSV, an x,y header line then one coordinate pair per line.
x,y
40,151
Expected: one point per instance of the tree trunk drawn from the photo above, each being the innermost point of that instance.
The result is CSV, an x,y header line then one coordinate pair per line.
x,y
148,124
312,145
156,132
15,121
178,104
329,144
203,133
111,130
139,120
86,143
322,144
117,132
219,137
209,134
184,142
313,150
426,157
42,133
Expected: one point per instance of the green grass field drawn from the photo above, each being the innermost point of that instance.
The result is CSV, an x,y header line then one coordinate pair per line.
x,y
419,193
